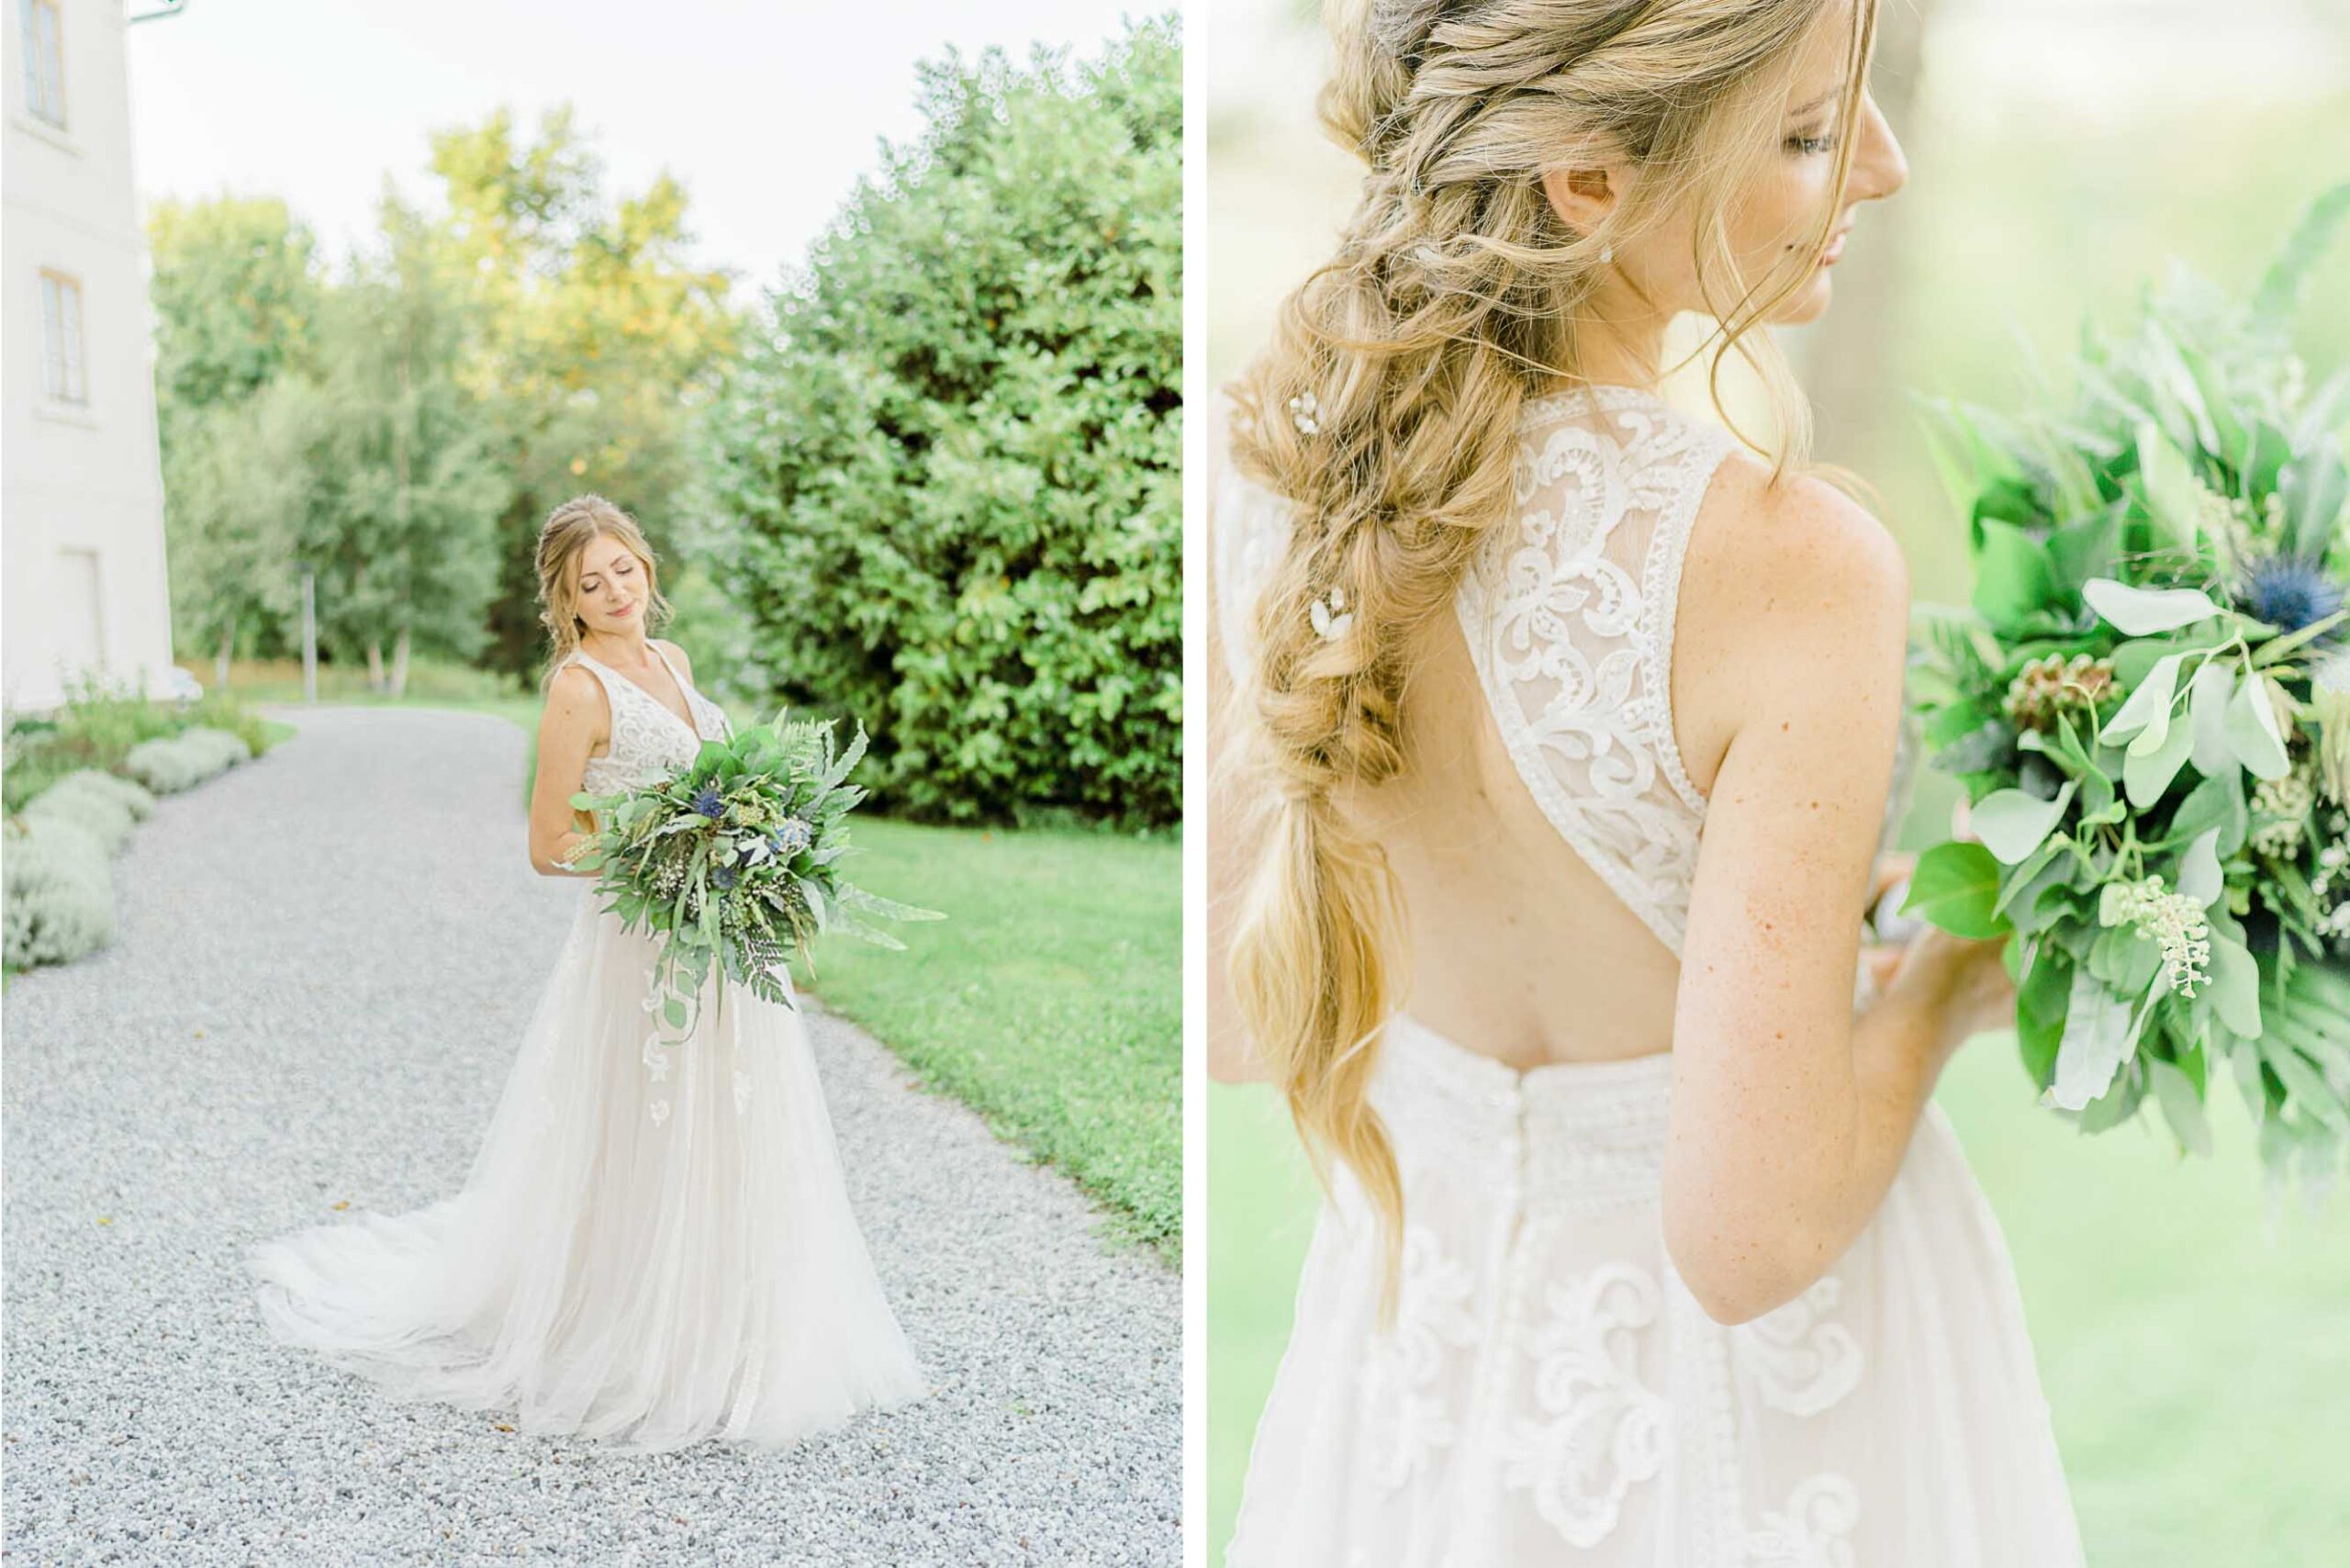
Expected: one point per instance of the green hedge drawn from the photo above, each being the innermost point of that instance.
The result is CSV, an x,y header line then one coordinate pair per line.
x,y
945,485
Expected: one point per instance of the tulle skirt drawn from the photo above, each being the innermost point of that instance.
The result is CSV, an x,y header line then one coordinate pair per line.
x,y
1553,1393
653,1245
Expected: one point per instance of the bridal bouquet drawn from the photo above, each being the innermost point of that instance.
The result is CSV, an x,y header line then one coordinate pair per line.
x,y
735,861
2149,706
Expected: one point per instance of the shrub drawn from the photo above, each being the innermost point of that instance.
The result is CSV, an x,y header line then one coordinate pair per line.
x,y
945,485
58,896
183,761
102,805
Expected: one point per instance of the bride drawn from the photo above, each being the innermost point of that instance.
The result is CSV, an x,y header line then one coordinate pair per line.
x,y
653,1245
1546,707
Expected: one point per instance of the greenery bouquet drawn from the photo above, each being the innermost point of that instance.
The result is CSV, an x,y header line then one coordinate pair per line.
x,y
2149,707
735,861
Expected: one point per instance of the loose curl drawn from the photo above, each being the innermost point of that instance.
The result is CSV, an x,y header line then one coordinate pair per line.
x,y
1455,294
566,532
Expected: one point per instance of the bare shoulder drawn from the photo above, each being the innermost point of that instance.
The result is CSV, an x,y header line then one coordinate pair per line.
x,y
676,653
574,704
1788,586
1760,545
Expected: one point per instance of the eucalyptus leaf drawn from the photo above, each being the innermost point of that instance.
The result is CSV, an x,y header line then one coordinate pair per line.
x,y
2182,1106
2012,823
2100,1031
2207,711
2235,986
2148,703
2144,611
2198,870
2146,773
2252,729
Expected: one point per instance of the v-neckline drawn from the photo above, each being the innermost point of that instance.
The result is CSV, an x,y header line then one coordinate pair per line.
x,y
694,729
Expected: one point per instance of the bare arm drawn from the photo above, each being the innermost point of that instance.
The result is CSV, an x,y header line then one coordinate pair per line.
x,y
1229,853
1790,1119
573,725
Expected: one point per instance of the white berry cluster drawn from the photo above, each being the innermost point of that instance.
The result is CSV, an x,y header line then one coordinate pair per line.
x,y
2176,923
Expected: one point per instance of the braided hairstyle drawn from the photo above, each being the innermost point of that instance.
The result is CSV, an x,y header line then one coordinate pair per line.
x,y
1385,410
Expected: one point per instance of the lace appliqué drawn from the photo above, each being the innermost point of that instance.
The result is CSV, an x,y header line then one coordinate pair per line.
x,y
648,741
1801,1363
1408,1419
1574,650
1603,1431
1815,1531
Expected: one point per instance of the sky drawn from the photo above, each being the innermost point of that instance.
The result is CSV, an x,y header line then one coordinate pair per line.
x,y
766,112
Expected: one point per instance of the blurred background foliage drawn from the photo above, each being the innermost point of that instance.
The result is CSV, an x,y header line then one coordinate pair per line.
x,y
2061,154
929,482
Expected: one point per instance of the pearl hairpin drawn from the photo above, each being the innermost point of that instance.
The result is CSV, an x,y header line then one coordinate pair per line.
x,y
1305,411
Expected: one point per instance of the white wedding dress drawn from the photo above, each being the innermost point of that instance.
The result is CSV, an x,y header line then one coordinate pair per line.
x,y
653,1245
1551,1392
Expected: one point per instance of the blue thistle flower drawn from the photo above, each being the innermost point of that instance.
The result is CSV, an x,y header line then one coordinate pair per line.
x,y
2290,594
707,803
792,837
723,877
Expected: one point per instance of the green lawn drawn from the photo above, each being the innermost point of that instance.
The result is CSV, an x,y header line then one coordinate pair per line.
x,y
1050,1000
2197,1361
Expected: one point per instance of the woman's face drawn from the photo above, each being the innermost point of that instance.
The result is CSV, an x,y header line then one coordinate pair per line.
x,y
610,589
1770,226
1770,229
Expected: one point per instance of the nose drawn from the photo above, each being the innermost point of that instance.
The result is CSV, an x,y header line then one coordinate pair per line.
x,y
1878,167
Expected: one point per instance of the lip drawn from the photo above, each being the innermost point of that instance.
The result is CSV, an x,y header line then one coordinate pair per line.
x,y
1835,247
625,609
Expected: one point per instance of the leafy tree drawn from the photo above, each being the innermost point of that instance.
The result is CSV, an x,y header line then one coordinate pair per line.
x,y
236,290
404,536
596,338
944,485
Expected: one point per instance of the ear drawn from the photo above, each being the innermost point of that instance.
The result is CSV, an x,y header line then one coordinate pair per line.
x,y
1582,197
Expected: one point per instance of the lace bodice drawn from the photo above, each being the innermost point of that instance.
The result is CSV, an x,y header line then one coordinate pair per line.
x,y
1568,612
649,742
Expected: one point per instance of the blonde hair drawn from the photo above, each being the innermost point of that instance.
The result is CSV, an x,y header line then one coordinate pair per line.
x,y
566,532
1455,294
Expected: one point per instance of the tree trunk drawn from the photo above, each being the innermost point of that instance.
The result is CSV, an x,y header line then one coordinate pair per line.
x,y
375,665
227,649
399,665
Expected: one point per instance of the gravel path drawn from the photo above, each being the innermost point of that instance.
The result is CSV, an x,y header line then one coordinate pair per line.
x,y
325,962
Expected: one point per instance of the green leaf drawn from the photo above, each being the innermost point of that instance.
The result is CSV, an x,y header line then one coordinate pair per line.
x,y
2252,734
2148,703
2280,287
2040,1013
2144,611
2171,490
2146,773
2207,711
1955,887
2182,1106
2235,986
2012,823
2100,1031
2198,869
2013,575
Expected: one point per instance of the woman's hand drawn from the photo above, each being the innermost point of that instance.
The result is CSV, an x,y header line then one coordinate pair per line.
x,y
1962,980
1893,870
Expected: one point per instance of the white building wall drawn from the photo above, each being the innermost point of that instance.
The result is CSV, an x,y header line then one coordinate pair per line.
x,y
81,569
